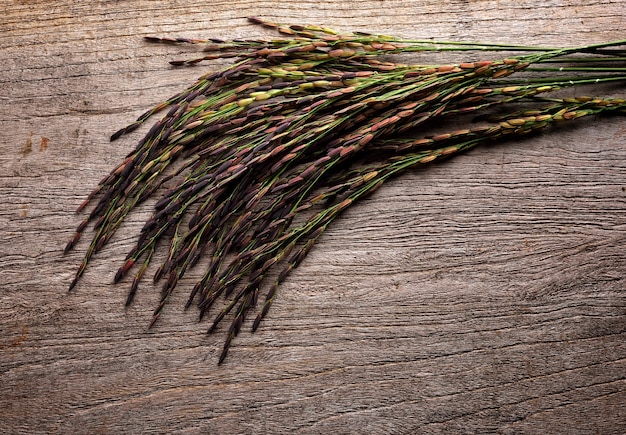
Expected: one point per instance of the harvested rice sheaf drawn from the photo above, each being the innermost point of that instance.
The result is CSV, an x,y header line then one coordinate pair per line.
x,y
271,149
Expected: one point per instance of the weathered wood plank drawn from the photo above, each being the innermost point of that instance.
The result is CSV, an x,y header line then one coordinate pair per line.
x,y
486,294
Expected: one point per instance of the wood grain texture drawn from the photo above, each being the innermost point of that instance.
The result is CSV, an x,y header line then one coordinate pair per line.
x,y
483,295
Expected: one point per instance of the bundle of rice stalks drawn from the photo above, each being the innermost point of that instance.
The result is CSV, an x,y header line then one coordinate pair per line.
x,y
271,149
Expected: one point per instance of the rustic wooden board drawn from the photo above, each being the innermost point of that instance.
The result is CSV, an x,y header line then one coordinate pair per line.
x,y
486,294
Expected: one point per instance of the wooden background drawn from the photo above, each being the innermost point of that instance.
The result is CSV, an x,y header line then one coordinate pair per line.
x,y
486,294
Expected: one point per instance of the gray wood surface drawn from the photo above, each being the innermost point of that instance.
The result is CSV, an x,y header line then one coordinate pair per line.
x,y
486,294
